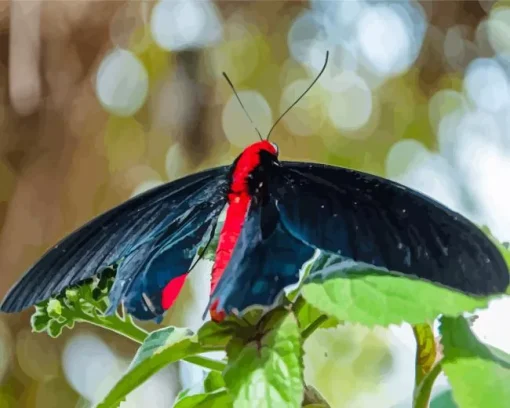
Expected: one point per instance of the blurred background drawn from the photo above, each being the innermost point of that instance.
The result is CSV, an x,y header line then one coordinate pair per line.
x,y
100,100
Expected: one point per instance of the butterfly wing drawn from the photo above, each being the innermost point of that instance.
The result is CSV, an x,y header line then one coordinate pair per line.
x,y
266,259
138,232
373,220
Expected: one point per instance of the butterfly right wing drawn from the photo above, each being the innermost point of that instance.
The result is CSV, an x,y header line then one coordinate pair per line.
x,y
379,222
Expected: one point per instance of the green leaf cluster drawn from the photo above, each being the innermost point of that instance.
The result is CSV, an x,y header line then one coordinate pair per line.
x,y
83,302
263,366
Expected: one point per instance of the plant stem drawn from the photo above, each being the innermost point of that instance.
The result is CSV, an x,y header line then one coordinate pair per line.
x,y
117,325
313,326
425,364
422,392
298,304
206,362
130,330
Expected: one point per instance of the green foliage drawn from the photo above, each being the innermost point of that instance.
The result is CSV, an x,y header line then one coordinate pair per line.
x,y
213,382
479,375
215,399
307,315
443,400
361,294
267,371
264,364
158,341
81,303
160,348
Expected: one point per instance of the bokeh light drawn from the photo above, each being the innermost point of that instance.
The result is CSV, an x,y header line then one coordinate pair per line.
x,y
351,103
389,38
308,116
122,83
182,24
236,125
405,155
499,29
487,85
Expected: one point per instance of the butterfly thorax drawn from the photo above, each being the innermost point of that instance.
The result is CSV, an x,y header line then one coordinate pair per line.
x,y
247,180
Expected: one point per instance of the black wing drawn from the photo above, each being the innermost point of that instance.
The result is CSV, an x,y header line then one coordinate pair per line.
x,y
373,220
265,260
144,227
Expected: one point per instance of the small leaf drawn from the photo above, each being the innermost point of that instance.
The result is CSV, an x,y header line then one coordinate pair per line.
x,y
182,394
307,314
306,268
479,376
54,308
212,333
161,348
55,328
72,294
213,381
268,372
217,399
39,321
362,294
158,340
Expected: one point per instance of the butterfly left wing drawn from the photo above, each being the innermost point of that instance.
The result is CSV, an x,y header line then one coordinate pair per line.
x,y
150,278
376,221
147,235
266,259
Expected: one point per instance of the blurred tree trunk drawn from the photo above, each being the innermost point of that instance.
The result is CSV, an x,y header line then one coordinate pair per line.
x,y
52,147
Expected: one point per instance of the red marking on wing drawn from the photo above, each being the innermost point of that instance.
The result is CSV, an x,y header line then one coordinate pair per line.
x,y
216,315
171,291
238,203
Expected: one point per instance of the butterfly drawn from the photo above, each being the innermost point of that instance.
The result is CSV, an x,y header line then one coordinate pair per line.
x,y
278,214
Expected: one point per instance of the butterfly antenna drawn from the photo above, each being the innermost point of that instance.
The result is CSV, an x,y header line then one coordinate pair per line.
x,y
301,96
242,106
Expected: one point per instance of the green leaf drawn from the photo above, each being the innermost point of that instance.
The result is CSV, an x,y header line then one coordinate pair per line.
x,y
72,294
158,341
217,399
55,328
54,308
370,296
213,381
40,319
235,347
161,348
218,334
306,268
182,394
268,371
307,314
443,400
479,376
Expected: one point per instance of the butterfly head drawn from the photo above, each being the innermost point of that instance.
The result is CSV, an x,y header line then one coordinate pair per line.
x,y
262,146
